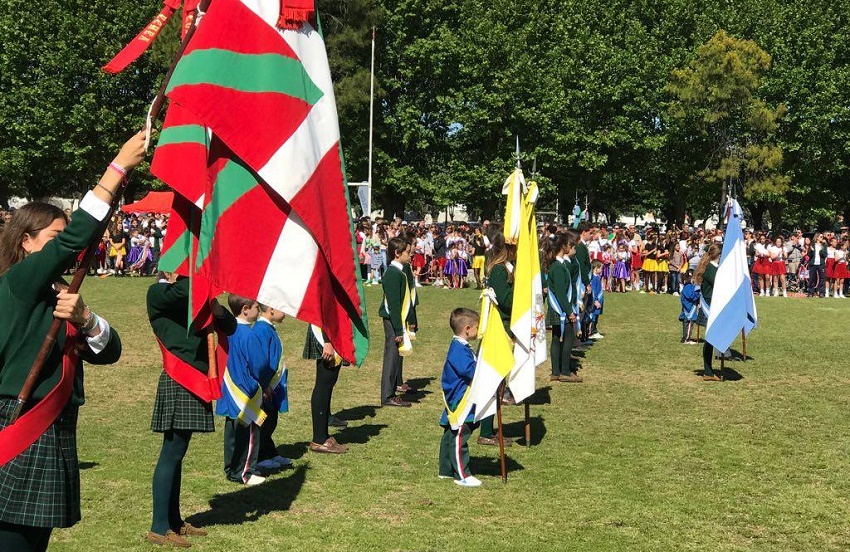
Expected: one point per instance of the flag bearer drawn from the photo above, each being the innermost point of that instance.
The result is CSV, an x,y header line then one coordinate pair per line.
x,y
704,277
183,399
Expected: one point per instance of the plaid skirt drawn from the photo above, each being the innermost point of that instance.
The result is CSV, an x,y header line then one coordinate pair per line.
x,y
176,408
41,486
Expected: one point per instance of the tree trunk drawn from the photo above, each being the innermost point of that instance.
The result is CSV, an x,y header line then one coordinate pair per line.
x,y
757,211
775,211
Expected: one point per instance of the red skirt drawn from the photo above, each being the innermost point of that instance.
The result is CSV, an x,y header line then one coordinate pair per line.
x,y
637,262
762,266
777,268
830,268
418,261
841,270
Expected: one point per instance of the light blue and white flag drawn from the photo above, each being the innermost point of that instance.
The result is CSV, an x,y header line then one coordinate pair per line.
x,y
732,305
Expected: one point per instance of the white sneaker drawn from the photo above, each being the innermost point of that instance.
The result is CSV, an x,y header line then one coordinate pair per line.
x,y
597,335
761,293
675,294
255,480
826,293
776,293
282,461
470,481
784,293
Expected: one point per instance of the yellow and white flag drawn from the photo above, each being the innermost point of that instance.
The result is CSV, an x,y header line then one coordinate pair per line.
x,y
527,316
495,357
513,188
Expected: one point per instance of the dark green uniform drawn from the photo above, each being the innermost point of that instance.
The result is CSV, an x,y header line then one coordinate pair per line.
x,y
395,285
175,407
706,288
504,290
41,486
563,275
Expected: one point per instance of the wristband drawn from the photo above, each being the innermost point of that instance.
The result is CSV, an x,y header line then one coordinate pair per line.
x,y
120,170
90,323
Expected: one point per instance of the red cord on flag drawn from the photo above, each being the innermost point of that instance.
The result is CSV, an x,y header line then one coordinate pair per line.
x,y
143,40
294,13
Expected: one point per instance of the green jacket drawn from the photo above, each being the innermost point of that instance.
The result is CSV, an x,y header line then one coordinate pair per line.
x,y
560,280
168,312
583,257
707,285
498,280
395,284
27,300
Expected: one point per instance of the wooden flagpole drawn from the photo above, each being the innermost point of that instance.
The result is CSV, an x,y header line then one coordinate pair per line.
x,y
744,340
499,394
527,423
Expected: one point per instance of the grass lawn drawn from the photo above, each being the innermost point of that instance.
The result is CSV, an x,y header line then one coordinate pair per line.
x,y
642,456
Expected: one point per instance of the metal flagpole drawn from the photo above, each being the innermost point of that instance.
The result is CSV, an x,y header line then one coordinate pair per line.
x,y
371,122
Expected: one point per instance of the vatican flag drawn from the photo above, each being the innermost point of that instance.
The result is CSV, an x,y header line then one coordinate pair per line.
x,y
495,357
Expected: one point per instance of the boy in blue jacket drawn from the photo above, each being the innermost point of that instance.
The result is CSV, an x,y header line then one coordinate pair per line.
x,y
458,417
690,308
597,300
273,381
241,401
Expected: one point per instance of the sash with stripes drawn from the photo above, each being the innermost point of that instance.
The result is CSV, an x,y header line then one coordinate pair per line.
x,y
250,407
406,346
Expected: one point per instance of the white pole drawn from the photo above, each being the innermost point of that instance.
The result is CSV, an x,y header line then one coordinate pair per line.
x,y
371,123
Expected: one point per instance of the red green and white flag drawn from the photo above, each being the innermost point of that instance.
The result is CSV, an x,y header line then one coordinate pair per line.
x,y
276,225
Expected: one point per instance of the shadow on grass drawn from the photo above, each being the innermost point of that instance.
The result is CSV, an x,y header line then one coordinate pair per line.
x,y
293,450
516,430
359,434
728,374
251,503
486,465
88,465
356,413
420,383
540,396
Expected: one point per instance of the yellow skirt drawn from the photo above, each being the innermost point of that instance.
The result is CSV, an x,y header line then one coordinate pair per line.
x,y
478,262
650,265
119,251
663,266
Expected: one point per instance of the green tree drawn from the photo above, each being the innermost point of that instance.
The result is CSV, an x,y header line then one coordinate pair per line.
x,y
716,94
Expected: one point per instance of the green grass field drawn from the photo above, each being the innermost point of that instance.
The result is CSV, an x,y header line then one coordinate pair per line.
x,y
642,456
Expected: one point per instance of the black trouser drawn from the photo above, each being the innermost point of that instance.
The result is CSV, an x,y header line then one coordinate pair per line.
x,y
561,349
817,280
707,351
392,363
167,477
241,448
320,401
454,452
23,538
268,450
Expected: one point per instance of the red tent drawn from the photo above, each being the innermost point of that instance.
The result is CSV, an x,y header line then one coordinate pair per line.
x,y
154,202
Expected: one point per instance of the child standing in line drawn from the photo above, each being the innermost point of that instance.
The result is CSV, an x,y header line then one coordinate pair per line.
x,y
458,372
598,299
273,381
690,308
241,401
394,310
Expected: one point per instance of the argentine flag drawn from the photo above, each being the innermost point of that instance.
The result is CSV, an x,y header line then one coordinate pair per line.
x,y
732,305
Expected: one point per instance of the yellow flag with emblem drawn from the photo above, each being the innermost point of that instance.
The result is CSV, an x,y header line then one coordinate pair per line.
x,y
495,357
528,322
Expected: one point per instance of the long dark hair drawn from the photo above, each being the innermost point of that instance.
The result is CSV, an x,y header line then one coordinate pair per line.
x,y
501,253
29,220
713,253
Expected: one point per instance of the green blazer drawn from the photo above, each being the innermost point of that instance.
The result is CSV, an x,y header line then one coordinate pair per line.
x,y
498,280
583,257
168,312
707,285
395,284
27,300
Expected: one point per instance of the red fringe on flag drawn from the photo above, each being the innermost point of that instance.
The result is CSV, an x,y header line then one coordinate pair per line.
x,y
294,13
143,40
